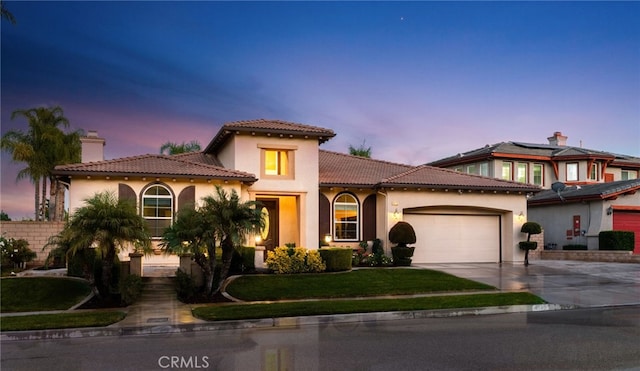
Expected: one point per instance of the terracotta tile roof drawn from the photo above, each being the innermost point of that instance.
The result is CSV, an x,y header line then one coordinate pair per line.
x,y
434,177
184,166
598,191
268,127
339,169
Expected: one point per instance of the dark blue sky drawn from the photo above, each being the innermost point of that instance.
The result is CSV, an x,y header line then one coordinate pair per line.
x,y
417,80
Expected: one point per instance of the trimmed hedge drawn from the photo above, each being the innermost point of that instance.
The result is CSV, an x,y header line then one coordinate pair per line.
x,y
574,247
616,240
336,258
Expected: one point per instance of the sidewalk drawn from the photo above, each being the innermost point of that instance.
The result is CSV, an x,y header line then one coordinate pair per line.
x,y
564,284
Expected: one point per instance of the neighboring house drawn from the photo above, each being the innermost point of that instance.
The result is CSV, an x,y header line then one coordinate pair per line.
x,y
544,164
312,195
591,181
577,214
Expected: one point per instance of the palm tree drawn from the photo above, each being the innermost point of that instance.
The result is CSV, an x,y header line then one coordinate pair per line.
x,y
6,14
222,219
42,147
109,224
172,148
361,151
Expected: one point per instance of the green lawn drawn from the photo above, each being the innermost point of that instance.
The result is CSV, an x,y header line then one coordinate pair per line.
x,y
356,283
30,294
61,320
222,312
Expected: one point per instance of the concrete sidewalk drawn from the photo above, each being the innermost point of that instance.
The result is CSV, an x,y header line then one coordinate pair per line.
x,y
563,284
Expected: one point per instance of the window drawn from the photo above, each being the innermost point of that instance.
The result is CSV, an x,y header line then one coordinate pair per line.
x,y
629,174
507,170
521,173
471,169
458,169
572,171
345,218
537,174
484,169
157,209
277,162
593,172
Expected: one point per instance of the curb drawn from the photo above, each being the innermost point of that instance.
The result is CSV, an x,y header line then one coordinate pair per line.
x,y
273,322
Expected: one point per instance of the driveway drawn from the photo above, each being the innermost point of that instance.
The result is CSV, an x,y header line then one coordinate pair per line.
x,y
585,284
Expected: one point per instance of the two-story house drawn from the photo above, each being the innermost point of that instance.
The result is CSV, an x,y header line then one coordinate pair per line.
x,y
311,194
592,190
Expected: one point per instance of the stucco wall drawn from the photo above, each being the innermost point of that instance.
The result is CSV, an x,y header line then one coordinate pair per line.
x,y
36,233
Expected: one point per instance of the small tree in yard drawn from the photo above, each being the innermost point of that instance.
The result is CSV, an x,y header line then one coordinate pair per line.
x,y
402,234
222,219
529,228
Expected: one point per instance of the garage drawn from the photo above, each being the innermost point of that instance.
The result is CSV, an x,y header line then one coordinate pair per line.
x,y
456,238
628,221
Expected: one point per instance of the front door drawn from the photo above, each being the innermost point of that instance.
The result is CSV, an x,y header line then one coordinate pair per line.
x,y
270,233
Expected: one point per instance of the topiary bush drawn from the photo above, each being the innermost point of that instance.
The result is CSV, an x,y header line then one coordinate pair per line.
x,y
616,240
529,228
337,259
402,234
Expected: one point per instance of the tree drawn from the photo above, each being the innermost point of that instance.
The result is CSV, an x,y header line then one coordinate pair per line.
x,y
361,151
6,14
109,224
222,219
172,148
4,216
43,147
529,228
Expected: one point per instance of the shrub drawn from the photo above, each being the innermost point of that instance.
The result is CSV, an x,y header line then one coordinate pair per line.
x,y
574,247
81,263
15,252
402,234
336,258
130,289
285,260
616,240
185,286
243,259
528,245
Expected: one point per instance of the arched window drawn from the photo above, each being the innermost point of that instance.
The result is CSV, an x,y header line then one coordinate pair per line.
x,y
346,218
157,208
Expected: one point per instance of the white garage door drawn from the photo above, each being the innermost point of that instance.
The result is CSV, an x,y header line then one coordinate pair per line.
x,y
455,238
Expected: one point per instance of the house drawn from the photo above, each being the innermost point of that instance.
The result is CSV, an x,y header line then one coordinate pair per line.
x,y
544,164
575,215
310,194
592,190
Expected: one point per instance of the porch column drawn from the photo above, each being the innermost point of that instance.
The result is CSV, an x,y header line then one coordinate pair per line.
x,y
259,257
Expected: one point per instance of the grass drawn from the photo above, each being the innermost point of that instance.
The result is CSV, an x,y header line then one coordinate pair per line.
x,y
41,294
357,283
323,307
60,320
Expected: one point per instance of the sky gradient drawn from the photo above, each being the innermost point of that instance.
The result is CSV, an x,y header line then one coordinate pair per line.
x,y
416,81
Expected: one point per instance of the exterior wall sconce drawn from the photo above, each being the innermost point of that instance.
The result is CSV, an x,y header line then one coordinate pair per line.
x,y
610,210
521,217
396,213
327,238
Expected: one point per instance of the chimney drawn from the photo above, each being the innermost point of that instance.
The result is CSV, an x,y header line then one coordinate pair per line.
x,y
558,139
92,147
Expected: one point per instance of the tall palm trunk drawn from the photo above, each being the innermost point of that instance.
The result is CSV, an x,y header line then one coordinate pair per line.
x,y
43,204
227,255
36,184
107,267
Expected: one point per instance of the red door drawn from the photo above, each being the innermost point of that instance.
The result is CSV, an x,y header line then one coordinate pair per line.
x,y
628,221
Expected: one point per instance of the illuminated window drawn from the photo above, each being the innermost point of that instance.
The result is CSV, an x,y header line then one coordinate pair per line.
x,y
537,174
521,173
593,172
277,162
345,218
157,209
572,171
507,170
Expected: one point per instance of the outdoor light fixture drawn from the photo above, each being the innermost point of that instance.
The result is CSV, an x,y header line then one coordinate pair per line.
x,y
610,210
521,217
327,238
258,240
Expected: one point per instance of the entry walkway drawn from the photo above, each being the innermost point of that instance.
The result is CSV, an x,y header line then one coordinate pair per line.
x,y
565,282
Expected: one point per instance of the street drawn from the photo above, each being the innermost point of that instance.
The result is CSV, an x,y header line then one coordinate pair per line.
x,y
584,339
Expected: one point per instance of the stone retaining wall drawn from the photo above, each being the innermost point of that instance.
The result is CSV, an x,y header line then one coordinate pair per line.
x,y
591,256
36,233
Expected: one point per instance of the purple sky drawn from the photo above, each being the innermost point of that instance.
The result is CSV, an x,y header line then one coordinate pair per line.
x,y
417,81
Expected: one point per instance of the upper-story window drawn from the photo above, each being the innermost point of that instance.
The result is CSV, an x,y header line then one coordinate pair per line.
x,y
572,171
629,174
157,208
346,218
471,169
593,172
538,174
507,170
484,169
277,162
521,172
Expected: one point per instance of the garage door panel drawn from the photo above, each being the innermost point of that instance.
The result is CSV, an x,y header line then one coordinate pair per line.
x,y
628,221
455,238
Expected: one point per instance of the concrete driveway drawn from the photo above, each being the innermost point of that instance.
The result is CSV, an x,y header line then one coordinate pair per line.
x,y
585,284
